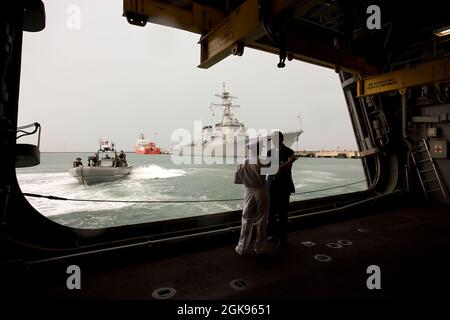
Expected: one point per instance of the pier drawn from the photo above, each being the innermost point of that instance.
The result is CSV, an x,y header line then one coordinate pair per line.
x,y
328,154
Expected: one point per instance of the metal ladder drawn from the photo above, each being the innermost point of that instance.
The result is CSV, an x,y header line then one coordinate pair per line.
x,y
428,174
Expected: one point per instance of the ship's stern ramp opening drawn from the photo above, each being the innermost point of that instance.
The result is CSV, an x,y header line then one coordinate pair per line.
x,y
394,75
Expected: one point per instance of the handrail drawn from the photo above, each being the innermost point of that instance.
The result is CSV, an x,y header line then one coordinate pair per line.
x,y
37,127
50,197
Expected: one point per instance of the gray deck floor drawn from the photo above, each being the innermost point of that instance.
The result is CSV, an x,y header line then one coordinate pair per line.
x,y
410,245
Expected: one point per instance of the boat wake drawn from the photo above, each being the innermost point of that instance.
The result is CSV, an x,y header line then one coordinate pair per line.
x,y
164,183
136,187
154,171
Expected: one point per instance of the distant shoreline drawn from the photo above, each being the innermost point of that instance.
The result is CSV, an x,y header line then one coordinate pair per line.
x,y
77,151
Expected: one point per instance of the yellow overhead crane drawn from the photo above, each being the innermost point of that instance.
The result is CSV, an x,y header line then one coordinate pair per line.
x,y
194,18
422,74
224,33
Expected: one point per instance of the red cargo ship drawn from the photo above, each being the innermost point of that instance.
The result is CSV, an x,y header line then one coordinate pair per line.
x,y
144,146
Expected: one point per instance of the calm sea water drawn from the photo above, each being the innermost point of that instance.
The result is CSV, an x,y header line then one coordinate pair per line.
x,y
156,177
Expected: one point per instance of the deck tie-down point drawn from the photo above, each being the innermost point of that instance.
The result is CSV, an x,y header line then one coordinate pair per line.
x,y
334,245
322,258
239,284
344,242
164,293
308,243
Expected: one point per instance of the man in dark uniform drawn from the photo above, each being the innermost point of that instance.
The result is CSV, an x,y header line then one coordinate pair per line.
x,y
280,188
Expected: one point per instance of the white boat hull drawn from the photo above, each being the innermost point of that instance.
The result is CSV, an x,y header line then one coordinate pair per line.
x,y
229,148
92,175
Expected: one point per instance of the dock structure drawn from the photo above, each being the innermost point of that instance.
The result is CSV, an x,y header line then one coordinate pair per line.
x,y
328,154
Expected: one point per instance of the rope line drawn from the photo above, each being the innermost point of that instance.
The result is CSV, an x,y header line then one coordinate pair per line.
x,y
34,195
341,186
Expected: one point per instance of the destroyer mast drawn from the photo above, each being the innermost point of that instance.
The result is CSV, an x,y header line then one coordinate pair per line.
x,y
228,118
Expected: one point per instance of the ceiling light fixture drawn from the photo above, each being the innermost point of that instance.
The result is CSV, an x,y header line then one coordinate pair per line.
x,y
442,32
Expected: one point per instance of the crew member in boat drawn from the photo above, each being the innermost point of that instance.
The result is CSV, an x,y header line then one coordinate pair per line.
x,y
94,159
123,159
256,202
77,162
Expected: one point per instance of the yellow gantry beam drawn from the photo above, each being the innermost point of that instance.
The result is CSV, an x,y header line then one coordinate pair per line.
x,y
240,27
426,73
225,32
192,17
243,27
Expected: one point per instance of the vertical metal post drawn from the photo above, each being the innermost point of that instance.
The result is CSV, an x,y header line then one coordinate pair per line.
x,y
404,96
7,191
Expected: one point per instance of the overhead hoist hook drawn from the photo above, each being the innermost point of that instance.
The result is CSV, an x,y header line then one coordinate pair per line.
x,y
282,54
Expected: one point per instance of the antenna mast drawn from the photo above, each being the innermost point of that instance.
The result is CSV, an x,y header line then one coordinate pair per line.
x,y
228,117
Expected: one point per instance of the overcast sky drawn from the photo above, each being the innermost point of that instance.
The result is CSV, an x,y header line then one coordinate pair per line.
x,y
110,79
